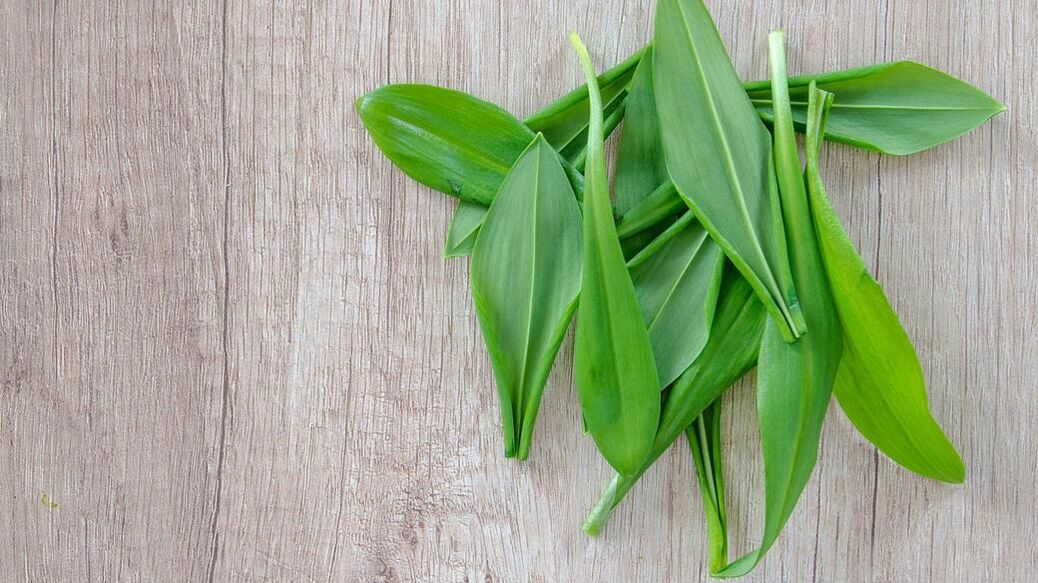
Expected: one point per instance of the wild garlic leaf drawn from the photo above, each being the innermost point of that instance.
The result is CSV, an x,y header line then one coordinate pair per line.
x,y
525,281
678,274
464,227
894,108
717,153
650,238
677,286
704,439
445,139
613,363
565,120
879,384
640,166
467,218
575,150
660,204
730,352
794,380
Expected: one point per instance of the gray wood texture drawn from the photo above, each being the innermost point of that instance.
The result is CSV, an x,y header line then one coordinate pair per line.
x,y
230,349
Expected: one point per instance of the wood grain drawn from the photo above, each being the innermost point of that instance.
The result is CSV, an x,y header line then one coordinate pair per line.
x,y
230,349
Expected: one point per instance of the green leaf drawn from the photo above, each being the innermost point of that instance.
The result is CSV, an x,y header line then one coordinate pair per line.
x,y
794,380
717,154
575,149
879,384
445,139
704,439
678,273
468,216
615,373
677,285
650,237
525,282
894,108
565,121
640,166
657,206
461,236
730,353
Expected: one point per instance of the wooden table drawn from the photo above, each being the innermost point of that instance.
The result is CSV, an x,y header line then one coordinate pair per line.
x,y
230,349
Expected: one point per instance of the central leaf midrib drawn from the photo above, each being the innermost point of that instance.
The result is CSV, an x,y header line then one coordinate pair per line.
x,y
520,409
677,281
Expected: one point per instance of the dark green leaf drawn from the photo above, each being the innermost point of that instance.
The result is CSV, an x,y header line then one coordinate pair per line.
x,y
730,352
468,216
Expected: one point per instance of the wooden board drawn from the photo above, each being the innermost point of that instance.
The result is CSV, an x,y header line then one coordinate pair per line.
x,y
230,349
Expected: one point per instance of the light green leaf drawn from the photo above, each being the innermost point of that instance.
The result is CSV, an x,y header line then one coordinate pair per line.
x,y
879,385
794,380
525,282
677,285
730,353
894,108
615,373
717,154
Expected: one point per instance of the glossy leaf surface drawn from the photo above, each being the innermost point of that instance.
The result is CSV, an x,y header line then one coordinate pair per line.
x,y
730,352
445,139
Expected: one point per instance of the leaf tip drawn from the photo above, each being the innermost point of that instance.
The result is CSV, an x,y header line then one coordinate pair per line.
x,y
957,474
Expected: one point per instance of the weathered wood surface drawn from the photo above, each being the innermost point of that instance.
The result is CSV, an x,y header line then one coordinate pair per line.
x,y
230,350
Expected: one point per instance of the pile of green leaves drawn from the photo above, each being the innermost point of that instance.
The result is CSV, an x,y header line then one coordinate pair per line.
x,y
718,253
